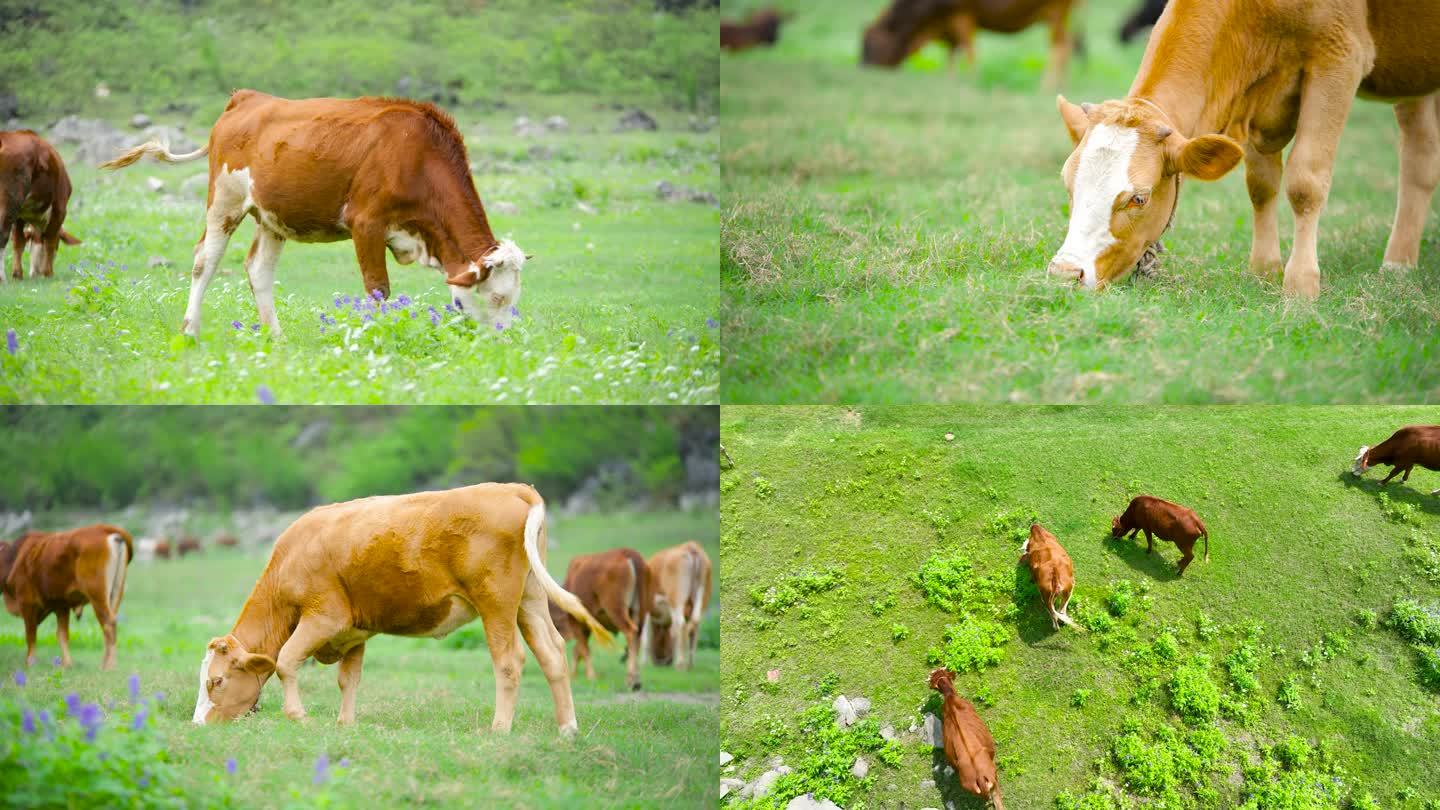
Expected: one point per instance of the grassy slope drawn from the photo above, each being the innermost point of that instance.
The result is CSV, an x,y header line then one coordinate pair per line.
x,y
885,236
1296,545
420,702
611,304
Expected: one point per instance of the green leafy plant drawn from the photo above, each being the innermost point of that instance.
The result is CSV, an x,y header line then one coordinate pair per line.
x,y
764,489
899,632
1193,694
791,589
972,645
1414,622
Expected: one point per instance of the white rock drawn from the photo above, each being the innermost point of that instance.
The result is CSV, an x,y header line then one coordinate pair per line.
x,y
766,782
933,732
809,802
557,123
139,120
504,208
887,731
158,261
861,706
860,768
725,759
728,786
844,712
586,208
155,183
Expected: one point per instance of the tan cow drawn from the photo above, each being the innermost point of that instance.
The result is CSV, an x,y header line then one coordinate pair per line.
x,y
682,589
407,565
1052,570
381,172
615,587
57,572
1222,80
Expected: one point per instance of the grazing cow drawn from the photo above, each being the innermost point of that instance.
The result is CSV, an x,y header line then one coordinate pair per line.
x,y
161,549
1166,520
1144,16
1261,72
227,541
1052,571
908,25
614,586
682,589
188,545
34,193
761,28
968,744
407,565
59,572
382,172
1416,444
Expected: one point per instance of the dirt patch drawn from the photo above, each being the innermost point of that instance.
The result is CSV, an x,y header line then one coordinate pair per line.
x,y
850,418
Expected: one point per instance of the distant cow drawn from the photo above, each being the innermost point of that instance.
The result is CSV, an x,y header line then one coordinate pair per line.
x,y
419,565
226,541
682,589
614,586
188,545
1416,444
1166,520
162,549
761,28
908,25
1144,16
57,572
381,172
968,744
34,193
1052,571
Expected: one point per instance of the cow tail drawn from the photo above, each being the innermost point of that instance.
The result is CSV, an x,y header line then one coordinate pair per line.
x,y
1205,534
698,591
159,149
115,571
568,602
68,238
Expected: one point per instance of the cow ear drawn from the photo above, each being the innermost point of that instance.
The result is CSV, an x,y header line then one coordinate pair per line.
x,y
220,645
1076,118
472,274
1208,157
256,664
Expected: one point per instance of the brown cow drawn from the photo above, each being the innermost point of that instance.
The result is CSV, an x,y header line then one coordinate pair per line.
x,y
1166,520
760,28
1222,81
614,586
227,541
406,565
188,545
1052,571
162,549
1415,444
908,25
34,193
682,589
57,572
968,744
382,172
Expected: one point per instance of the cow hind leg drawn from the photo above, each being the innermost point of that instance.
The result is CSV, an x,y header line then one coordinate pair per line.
x,y
18,237
1419,174
229,198
1188,552
105,617
62,635
677,638
1060,45
265,253
348,676
545,641
369,242
500,638
617,604
32,625
582,652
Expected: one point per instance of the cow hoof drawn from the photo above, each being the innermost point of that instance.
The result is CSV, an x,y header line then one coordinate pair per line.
x,y
569,730
635,687
299,717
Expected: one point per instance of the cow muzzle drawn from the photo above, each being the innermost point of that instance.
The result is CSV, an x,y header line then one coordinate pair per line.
x,y
1068,269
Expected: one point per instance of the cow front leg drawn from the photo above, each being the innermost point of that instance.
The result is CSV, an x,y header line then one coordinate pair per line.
x,y
62,635
1060,45
1394,471
582,652
32,624
17,236
220,223
1149,543
42,256
369,239
260,268
310,634
1406,477
348,676
1263,175
677,638
1419,174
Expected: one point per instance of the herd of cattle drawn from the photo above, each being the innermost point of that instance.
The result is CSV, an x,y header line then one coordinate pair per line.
x,y
968,744
409,565
385,173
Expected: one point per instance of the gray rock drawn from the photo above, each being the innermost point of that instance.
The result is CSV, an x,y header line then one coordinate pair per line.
x,y
196,185
844,713
505,208
777,762
95,141
728,786
586,208
762,786
670,192
887,732
861,706
809,802
139,121
526,128
158,261
860,769
557,123
636,120
9,105
155,184
933,732
928,784
172,137
725,759
539,152
698,124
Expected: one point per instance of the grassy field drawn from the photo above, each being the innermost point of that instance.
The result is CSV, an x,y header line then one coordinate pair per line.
x,y
885,236
424,708
1268,675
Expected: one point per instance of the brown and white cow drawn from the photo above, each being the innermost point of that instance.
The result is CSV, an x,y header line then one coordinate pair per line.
x,y
34,194
906,26
1409,446
406,565
57,572
381,172
682,590
760,29
614,586
1222,81
1052,570
968,744
1165,520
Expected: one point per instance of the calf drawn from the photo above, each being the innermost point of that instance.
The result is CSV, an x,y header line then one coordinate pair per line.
x,y
1052,571
1166,520
615,587
381,172
59,572
682,588
968,744
34,193
761,28
1416,444
908,25
406,565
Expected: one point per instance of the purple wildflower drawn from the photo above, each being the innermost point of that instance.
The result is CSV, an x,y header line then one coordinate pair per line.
x,y
89,719
670,332
499,327
368,318
384,307
55,661
412,314
402,301
377,295
72,703
231,766
322,769
344,762
347,299
237,326
338,302
143,781
12,342
264,394
254,327
450,307
134,683
19,678
459,306
159,697
514,311
139,721
27,722
45,718
712,323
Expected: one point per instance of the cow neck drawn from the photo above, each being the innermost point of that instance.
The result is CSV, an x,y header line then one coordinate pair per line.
x,y
263,626
458,226
1182,75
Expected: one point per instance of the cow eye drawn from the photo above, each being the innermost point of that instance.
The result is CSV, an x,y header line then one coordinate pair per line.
x,y
1138,200
214,682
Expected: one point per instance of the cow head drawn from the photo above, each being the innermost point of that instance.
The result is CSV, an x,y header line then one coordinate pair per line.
x,y
662,644
881,47
1123,178
489,290
230,680
941,677
1362,462
1117,527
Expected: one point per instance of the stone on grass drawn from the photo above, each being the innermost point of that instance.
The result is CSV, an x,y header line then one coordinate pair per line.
x,y
887,732
762,786
557,123
725,759
158,261
860,768
636,120
139,120
728,786
809,802
155,184
861,706
844,712
933,732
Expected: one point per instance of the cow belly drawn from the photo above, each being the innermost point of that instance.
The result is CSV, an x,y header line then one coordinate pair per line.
x,y
441,619
303,230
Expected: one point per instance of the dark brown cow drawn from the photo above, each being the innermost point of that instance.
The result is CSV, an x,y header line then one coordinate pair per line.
x,y
761,28
381,172
908,25
162,549
1166,520
1409,446
968,744
57,572
1052,570
188,545
614,586
34,193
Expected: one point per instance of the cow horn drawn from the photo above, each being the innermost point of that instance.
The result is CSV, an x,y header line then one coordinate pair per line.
x,y
1086,107
1162,132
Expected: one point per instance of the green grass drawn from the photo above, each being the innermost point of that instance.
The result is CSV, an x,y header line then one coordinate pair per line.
x,y
1175,694
424,708
885,236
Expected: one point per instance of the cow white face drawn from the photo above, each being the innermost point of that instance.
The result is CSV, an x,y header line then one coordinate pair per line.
x,y
492,294
1123,178
1361,464
230,680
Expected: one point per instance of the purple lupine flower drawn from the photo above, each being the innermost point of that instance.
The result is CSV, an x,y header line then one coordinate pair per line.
x,y
264,394
368,318
19,678
434,316
134,683
322,769
237,326
499,327
159,697
27,722
231,765
412,314
254,327
72,703
89,719
459,307
143,781
139,721
12,342
344,762
450,307
338,302
323,330
45,718
377,295
402,300
385,307
514,311
55,661
670,332
712,323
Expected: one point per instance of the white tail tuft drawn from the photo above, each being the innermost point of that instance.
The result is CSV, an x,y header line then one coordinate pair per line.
x,y
567,601
697,589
